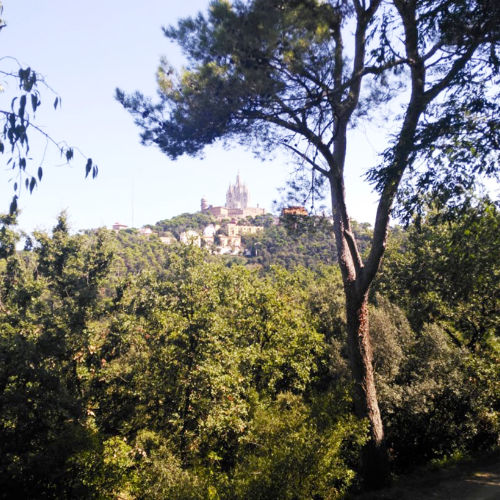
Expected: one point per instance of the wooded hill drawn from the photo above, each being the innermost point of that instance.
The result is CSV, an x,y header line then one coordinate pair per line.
x,y
134,369
289,240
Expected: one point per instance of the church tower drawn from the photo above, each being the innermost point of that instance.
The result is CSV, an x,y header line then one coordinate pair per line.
x,y
237,195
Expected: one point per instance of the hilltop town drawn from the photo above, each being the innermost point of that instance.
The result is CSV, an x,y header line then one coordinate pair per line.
x,y
228,223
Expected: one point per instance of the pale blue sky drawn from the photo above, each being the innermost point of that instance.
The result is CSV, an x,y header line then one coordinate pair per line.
x,y
87,49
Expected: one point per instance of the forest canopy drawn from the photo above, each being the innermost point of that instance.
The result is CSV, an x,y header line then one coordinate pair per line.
x,y
299,75
133,368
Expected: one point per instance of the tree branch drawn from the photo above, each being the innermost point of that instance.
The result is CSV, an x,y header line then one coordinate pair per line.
x,y
363,19
38,129
394,172
304,132
353,248
314,165
458,65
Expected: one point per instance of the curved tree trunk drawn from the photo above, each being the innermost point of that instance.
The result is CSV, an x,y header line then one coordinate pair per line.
x,y
375,459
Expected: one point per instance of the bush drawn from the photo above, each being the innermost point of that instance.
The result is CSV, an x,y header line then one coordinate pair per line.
x,y
436,398
288,455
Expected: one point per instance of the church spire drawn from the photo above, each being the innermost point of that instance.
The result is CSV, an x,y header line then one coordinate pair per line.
x,y
237,194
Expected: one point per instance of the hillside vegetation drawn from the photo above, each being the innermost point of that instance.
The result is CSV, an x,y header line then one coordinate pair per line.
x,y
134,369
288,241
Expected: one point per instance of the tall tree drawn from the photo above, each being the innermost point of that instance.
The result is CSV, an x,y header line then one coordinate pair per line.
x,y
300,73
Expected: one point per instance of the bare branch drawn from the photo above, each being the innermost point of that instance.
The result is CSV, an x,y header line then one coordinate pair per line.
x,y
313,164
377,70
363,19
433,50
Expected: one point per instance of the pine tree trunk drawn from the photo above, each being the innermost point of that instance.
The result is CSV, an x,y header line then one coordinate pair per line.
x,y
375,459
357,279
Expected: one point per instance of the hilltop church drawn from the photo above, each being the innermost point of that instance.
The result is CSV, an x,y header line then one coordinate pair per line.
x,y
236,207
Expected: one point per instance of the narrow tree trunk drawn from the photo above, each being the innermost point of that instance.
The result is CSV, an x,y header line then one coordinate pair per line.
x,y
356,285
375,459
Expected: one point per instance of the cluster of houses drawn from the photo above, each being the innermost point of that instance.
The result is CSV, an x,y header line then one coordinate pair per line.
x,y
220,239
223,237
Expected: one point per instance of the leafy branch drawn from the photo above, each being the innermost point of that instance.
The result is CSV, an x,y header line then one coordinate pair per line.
x,y
17,122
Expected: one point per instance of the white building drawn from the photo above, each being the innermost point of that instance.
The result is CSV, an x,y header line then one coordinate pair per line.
x,y
190,237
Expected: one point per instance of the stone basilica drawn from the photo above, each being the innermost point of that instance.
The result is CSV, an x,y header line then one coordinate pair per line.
x,y
237,195
236,207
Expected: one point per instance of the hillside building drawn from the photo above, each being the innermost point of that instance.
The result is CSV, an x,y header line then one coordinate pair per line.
x,y
119,227
235,230
294,210
237,204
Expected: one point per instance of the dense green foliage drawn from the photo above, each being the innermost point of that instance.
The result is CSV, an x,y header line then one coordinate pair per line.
x,y
180,223
445,269
130,368
162,387
50,298
437,399
288,241
135,252
299,241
